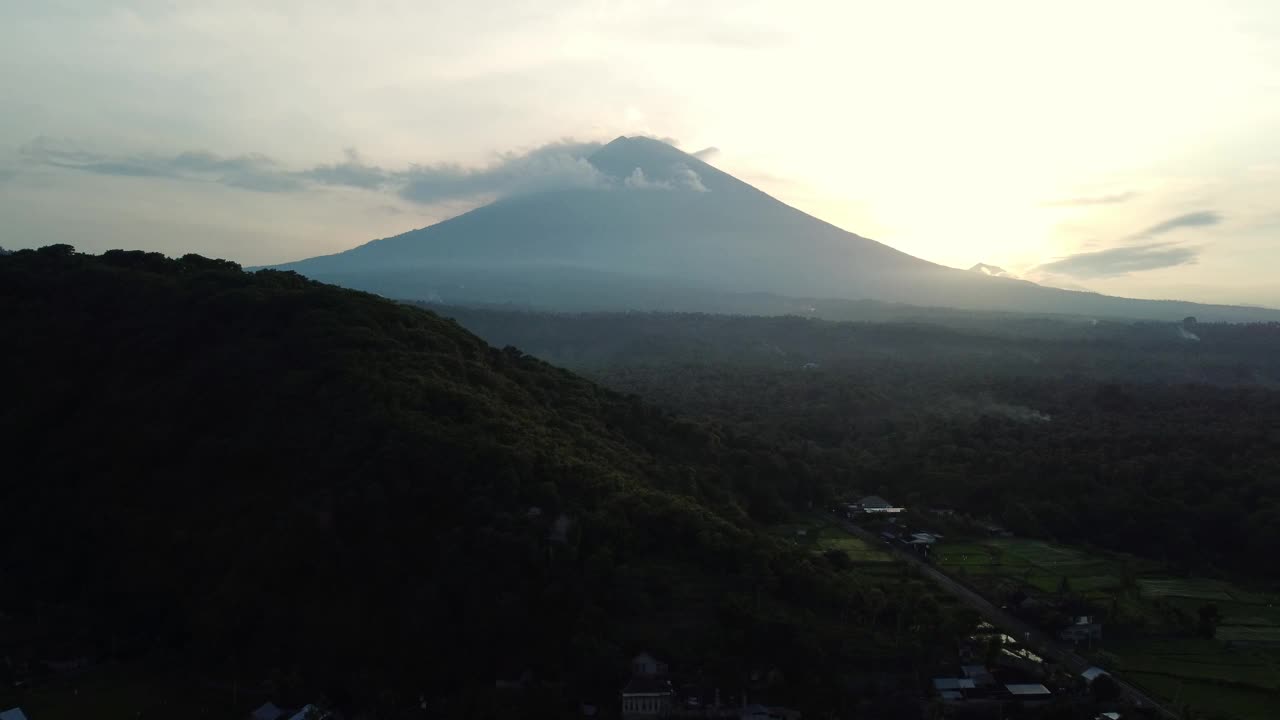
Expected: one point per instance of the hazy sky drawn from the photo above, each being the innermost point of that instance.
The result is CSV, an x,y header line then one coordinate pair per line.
x,y
1126,146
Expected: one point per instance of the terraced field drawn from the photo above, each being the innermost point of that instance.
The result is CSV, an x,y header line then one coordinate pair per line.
x,y
1208,674
1034,563
1237,673
822,536
1195,588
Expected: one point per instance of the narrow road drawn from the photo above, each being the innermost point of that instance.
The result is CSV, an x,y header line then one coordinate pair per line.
x,y
1023,632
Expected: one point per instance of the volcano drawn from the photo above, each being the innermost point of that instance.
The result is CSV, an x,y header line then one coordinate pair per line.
x,y
663,230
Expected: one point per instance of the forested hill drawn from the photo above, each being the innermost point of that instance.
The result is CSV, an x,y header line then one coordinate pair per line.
x,y
921,342
271,477
1158,439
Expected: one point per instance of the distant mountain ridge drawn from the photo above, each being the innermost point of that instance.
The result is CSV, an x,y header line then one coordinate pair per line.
x,y
665,224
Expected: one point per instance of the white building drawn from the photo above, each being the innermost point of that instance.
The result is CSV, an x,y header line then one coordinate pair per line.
x,y
646,696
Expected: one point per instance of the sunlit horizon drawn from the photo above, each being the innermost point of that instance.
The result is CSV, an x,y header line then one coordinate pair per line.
x,y
1061,143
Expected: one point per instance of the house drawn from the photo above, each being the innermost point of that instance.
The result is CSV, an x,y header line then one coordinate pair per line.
x,y
923,538
271,711
953,684
877,504
1030,694
1083,629
310,712
267,711
1092,674
645,664
647,696
1109,716
13,714
979,674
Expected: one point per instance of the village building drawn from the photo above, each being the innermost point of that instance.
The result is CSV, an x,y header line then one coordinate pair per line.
x,y
1084,629
647,696
645,664
271,711
13,714
1030,694
979,674
267,711
877,504
1092,674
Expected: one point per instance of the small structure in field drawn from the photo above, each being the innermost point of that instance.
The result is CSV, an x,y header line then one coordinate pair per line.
x,y
877,504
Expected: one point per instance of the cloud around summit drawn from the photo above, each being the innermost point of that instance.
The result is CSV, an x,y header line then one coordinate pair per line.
x,y
557,165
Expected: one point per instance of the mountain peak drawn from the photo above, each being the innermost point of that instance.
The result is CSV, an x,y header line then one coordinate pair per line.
x,y
992,270
640,161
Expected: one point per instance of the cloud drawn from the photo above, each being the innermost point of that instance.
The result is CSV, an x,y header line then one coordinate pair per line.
x,y
557,165
350,173
682,178
1112,199
554,166
1122,260
1202,218
706,153
251,172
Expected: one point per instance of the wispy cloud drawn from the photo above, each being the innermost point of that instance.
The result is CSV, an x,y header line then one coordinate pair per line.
x,y
1112,199
682,178
1203,218
250,172
385,210
1119,261
706,153
558,165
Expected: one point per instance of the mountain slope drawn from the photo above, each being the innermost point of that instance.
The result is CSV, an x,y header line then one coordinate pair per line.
x,y
662,221
276,478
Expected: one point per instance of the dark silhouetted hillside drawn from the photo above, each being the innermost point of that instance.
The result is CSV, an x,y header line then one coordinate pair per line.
x,y
270,478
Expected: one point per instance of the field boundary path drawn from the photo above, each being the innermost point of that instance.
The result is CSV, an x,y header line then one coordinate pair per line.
x,y
1023,632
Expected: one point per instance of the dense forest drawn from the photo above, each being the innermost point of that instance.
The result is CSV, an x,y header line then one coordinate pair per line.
x,y
1161,439
271,480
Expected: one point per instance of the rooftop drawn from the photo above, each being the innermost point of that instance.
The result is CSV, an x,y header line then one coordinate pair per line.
x,y
953,684
1093,673
646,685
267,711
1028,689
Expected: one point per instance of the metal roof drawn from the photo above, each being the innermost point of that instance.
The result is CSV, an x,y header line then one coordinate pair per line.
x,y
1093,673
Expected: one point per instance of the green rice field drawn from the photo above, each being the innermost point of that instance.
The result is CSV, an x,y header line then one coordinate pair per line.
x,y
1237,673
